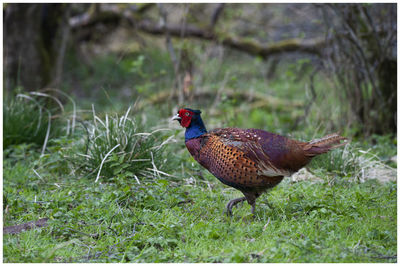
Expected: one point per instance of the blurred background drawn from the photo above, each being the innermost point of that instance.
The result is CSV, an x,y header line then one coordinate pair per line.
x,y
295,69
279,67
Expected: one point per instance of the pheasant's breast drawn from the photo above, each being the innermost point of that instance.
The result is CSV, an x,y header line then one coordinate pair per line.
x,y
233,167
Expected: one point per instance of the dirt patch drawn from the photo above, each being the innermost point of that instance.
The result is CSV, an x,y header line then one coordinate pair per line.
x,y
15,229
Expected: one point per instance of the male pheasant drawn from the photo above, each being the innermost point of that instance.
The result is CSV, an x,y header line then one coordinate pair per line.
x,y
250,160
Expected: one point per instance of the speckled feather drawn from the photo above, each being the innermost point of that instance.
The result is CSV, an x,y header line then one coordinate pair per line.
x,y
247,159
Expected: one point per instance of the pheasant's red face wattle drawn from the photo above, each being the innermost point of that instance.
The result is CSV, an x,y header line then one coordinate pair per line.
x,y
186,117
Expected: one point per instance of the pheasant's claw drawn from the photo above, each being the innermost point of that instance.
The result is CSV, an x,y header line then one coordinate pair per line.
x,y
233,203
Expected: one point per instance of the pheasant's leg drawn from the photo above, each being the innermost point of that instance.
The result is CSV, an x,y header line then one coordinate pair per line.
x,y
253,208
251,199
233,203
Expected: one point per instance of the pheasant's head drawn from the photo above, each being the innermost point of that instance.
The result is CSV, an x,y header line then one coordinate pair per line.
x,y
186,116
191,120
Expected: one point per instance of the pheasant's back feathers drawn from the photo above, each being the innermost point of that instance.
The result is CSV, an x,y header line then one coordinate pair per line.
x,y
236,134
274,154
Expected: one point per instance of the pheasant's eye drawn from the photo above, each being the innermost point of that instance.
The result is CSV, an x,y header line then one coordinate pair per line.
x,y
187,113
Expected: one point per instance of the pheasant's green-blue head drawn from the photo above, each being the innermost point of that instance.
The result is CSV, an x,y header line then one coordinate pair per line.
x,y
191,120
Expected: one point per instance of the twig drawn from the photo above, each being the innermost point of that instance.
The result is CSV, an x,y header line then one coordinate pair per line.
x,y
265,226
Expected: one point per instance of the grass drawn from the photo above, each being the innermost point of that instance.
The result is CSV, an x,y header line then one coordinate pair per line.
x,y
166,207
33,122
116,146
166,221
29,118
179,217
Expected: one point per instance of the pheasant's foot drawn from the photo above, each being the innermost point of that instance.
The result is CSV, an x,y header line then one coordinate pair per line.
x,y
233,203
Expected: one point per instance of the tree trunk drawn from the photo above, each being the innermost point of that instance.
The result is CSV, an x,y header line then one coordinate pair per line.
x,y
31,37
388,84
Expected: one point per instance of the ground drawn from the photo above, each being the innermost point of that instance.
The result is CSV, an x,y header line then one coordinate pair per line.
x,y
333,220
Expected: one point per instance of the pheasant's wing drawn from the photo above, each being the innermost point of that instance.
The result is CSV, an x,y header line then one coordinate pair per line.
x,y
270,154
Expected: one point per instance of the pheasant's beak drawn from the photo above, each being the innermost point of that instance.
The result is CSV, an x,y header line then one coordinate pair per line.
x,y
177,117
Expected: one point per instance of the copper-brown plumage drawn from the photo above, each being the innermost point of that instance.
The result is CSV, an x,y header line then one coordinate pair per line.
x,y
250,160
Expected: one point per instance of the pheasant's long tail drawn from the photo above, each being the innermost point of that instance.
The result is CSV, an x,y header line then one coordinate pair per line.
x,y
324,144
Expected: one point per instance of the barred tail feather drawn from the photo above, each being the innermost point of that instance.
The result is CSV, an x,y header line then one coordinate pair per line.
x,y
324,144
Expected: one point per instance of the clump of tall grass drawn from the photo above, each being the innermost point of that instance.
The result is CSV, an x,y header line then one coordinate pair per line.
x,y
117,147
24,122
29,118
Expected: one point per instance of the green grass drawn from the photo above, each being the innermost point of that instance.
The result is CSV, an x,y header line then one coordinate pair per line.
x,y
177,215
183,221
116,146
25,121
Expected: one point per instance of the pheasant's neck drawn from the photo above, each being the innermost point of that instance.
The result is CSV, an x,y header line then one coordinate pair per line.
x,y
195,130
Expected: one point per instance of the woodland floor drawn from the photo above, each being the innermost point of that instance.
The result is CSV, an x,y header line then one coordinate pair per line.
x,y
331,220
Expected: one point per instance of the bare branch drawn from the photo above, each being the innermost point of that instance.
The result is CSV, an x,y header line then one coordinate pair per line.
x,y
216,14
253,47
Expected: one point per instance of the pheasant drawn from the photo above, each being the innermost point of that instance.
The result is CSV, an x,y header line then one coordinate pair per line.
x,y
250,160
